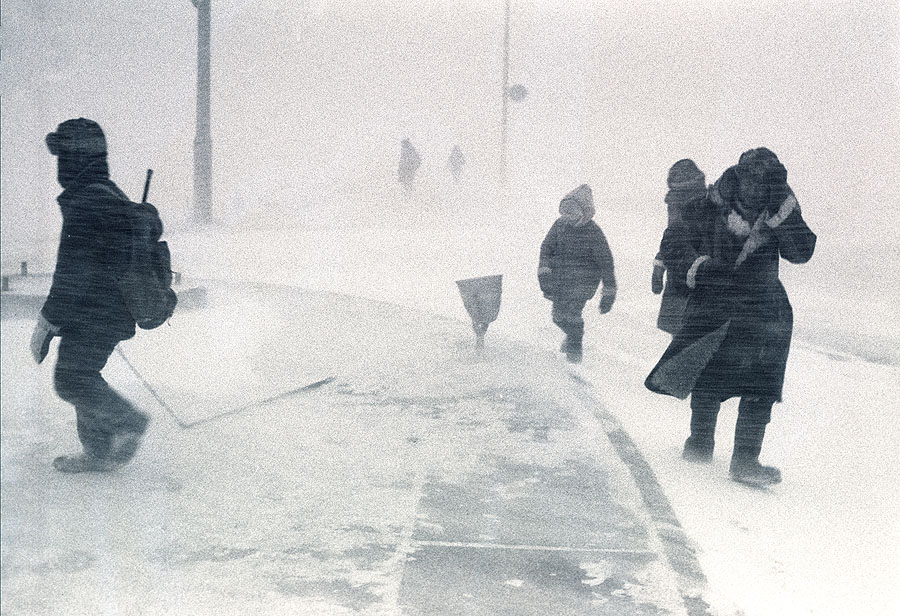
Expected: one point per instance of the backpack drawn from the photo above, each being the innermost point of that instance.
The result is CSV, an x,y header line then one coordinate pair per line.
x,y
146,285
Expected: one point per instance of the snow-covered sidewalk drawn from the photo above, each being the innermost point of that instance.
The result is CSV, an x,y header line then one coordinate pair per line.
x,y
419,479
826,541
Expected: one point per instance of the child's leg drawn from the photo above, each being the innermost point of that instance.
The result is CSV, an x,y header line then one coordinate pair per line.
x,y
567,315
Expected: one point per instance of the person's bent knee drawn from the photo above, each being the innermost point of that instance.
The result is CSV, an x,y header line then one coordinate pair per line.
x,y
65,385
73,386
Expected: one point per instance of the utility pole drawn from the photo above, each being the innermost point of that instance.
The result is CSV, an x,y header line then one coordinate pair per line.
x,y
505,111
203,139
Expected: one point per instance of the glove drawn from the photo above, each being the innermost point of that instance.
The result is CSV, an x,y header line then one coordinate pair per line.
x,y
545,281
41,337
607,299
656,284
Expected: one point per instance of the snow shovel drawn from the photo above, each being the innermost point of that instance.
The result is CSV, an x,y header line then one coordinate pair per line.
x,y
481,297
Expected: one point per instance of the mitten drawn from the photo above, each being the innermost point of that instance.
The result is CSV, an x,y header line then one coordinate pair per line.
x,y
41,337
656,283
607,299
544,279
776,179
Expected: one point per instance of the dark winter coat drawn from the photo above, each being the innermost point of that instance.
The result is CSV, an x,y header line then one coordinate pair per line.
x,y
94,249
738,321
676,292
579,260
409,163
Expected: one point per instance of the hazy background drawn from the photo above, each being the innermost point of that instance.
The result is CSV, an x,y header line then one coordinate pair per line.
x,y
310,103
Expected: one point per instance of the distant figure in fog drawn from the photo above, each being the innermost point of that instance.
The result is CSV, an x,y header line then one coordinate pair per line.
x,y
686,183
409,164
737,326
574,260
85,306
455,163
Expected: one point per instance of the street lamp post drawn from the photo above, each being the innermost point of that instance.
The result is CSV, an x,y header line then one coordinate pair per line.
x,y
505,92
203,139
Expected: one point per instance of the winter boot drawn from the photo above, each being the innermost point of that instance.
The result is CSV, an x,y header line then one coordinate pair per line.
x,y
84,463
573,354
564,347
124,445
752,473
697,450
704,413
753,416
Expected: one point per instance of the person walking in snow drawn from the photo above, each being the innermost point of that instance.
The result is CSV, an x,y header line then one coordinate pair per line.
x,y
409,164
574,260
686,183
85,307
737,327
455,163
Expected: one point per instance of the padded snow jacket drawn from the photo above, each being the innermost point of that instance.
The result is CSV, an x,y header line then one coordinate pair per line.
x,y
676,292
579,260
94,249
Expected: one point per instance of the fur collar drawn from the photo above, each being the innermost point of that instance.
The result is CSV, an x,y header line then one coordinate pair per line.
x,y
757,235
737,225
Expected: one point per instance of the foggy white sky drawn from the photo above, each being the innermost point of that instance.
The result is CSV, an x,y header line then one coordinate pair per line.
x,y
311,101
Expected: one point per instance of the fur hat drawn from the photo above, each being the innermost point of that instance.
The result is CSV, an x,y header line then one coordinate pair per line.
x,y
685,175
79,136
583,198
762,166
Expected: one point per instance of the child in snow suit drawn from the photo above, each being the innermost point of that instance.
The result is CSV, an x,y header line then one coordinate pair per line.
x,y
737,327
686,183
85,307
574,260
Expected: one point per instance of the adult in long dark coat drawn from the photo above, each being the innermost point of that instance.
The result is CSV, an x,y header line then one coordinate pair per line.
x,y
686,183
85,307
409,164
574,260
737,326
456,162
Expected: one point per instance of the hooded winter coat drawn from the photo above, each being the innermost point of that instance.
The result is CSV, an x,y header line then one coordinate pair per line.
x,y
738,321
578,255
94,249
676,292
